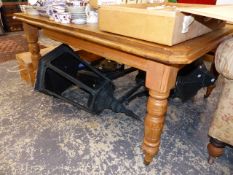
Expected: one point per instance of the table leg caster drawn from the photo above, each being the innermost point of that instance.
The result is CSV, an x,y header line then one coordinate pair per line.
x,y
148,159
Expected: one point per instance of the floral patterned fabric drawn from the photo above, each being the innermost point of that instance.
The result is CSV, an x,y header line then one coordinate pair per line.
x,y
222,124
224,58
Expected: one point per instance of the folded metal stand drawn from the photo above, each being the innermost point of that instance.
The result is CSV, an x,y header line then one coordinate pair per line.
x,y
62,74
191,79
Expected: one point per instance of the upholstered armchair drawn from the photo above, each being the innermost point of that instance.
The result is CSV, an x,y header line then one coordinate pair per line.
x,y
221,129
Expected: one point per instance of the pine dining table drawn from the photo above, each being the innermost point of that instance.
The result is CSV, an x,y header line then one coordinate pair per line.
x,y
161,63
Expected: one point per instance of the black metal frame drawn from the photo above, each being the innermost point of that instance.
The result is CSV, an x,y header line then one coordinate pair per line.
x,y
45,63
56,73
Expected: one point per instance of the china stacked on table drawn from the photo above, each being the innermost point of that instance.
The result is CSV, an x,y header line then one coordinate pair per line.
x,y
78,12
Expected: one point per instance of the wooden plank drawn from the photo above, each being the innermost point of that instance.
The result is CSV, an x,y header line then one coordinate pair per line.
x,y
120,57
222,12
25,65
208,57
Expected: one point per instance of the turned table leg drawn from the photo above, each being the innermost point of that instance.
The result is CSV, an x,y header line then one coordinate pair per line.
x,y
32,34
159,80
215,149
154,121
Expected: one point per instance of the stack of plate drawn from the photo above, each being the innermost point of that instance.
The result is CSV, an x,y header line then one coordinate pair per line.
x,y
78,14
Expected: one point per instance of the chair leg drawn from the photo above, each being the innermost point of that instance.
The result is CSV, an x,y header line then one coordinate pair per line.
x,y
211,87
209,90
215,149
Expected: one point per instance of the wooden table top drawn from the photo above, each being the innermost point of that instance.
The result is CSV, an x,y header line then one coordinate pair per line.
x,y
183,53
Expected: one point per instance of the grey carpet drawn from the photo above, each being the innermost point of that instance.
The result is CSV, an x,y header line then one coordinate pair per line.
x,y
40,135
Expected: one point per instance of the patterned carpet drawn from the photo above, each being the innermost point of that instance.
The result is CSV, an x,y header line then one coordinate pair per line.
x,y
40,135
11,44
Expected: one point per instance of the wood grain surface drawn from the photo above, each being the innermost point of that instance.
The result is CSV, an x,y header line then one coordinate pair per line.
x,y
183,53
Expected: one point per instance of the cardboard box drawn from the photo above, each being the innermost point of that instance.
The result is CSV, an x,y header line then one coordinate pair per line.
x,y
155,23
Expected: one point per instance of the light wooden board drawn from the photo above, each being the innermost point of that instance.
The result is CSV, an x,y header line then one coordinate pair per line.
x,y
223,12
